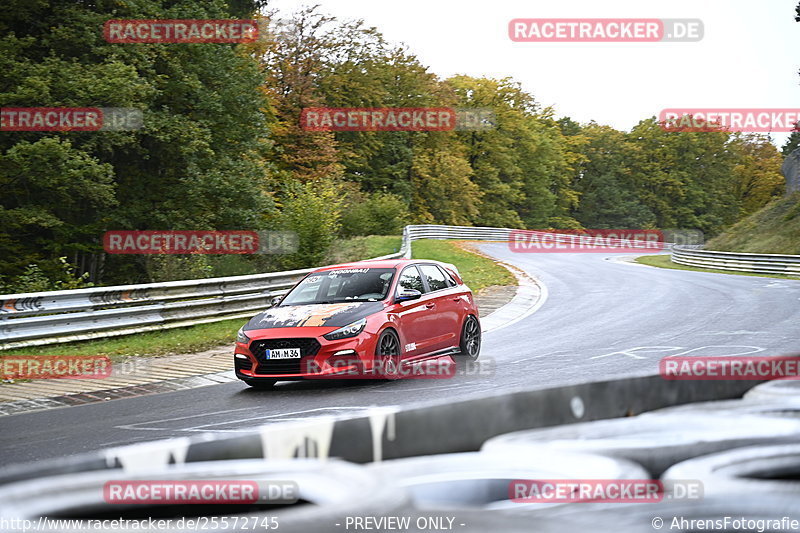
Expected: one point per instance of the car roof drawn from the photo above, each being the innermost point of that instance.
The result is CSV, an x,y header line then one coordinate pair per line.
x,y
379,263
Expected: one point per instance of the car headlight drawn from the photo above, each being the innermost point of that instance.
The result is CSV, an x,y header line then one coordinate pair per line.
x,y
350,330
241,337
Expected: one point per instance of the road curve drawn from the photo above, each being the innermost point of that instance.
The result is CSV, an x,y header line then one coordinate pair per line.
x,y
602,319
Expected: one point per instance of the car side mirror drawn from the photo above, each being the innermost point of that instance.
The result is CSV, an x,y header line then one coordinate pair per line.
x,y
275,301
404,295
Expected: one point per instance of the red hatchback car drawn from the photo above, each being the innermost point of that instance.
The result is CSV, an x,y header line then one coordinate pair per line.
x,y
370,318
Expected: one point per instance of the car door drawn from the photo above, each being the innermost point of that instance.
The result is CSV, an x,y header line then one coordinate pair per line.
x,y
446,311
417,329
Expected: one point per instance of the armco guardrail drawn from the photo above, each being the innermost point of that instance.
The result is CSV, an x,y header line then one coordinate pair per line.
x,y
755,263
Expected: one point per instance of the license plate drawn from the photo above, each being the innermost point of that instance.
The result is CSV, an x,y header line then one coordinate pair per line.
x,y
283,353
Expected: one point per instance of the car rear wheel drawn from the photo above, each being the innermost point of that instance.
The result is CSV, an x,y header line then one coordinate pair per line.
x,y
387,355
470,339
261,384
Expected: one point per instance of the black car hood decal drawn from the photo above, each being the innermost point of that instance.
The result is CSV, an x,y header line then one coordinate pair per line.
x,y
322,315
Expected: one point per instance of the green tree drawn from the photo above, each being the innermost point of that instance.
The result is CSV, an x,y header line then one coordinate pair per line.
x,y
378,214
684,178
198,162
608,188
313,212
443,191
292,63
55,201
793,142
523,164
757,175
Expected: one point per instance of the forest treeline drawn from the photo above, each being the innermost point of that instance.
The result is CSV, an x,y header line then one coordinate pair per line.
x,y
222,148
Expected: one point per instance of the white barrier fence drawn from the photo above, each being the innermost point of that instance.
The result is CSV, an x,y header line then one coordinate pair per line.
x,y
739,262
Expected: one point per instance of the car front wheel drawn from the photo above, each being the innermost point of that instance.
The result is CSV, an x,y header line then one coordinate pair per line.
x,y
387,355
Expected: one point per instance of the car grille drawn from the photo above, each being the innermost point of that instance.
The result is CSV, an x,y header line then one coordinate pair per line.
x,y
308,348
242,364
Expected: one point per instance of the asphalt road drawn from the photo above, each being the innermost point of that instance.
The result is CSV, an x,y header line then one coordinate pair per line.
x,y
602,319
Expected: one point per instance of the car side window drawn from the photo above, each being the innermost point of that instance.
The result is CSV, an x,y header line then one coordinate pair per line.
x,y
450,281
435,277
410,279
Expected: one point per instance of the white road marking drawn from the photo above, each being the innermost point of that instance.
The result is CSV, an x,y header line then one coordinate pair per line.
x,y
660,349
643,349
560,353
753,349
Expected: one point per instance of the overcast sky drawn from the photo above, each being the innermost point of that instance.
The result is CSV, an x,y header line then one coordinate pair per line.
x,y
748,58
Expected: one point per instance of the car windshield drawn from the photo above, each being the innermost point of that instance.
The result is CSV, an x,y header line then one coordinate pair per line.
x,y
342,285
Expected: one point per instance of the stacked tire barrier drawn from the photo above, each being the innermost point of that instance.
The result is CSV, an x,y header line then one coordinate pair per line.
x,y
755,263
452,464
327,491
651,440
480,480
388,433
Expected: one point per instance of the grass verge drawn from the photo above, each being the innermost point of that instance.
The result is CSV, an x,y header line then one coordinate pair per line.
x,y
664,261
477,271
